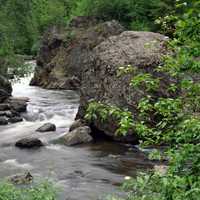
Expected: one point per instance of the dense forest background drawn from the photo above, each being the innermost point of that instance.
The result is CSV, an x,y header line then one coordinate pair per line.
x,y
23,22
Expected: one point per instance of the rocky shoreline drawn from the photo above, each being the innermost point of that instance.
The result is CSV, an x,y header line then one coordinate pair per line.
x,y
10,107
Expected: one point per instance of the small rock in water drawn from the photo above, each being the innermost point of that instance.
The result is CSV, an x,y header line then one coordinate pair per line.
x,y
78,136
15,119
47,127
29,143
21,178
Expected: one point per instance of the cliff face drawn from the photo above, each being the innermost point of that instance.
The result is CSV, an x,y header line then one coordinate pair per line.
x,y
90,60
64,53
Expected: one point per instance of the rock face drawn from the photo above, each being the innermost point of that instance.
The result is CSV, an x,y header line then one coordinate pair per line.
x,y
77,136
64,54
142,50
29,143
89,61
47,128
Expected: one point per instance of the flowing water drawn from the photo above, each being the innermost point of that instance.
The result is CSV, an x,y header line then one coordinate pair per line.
x,y
85,172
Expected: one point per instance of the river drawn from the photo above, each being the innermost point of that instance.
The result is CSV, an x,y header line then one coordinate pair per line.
x,y
84,172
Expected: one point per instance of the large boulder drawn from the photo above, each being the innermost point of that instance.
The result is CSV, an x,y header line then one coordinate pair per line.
x,y
64,53
78,136
89,60
141,50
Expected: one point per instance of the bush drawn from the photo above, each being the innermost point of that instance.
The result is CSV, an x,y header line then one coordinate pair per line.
x,y
135,14
44,191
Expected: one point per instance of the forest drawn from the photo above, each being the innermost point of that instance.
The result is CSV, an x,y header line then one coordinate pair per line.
x,y
163,108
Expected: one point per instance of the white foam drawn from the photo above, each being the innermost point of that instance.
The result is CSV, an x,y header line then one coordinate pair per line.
x,y
13,162
54,147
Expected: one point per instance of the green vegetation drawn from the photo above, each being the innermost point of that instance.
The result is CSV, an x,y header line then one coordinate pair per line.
x,y
23,23
135,14
179,120
43,191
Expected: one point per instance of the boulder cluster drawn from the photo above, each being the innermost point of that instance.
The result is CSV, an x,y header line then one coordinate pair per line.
x,y
86,56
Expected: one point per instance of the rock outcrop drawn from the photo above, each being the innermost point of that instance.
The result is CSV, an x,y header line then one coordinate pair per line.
x,y
79,135
89,61
64,54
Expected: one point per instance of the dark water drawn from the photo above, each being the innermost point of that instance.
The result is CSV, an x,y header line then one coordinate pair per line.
x,y
86,172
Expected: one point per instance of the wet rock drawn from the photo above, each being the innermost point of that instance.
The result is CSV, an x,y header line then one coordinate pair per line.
x,y
78,136
29,143
5,85
78,123
19,179
3,121
18,104
47,127
10,107
15,119
4,106
3,95
61,61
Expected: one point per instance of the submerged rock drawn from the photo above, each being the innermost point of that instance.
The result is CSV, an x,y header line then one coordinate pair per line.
x,y
29,143
47,127
78,136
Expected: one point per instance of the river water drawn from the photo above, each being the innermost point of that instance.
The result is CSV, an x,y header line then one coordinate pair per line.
x,y
85,172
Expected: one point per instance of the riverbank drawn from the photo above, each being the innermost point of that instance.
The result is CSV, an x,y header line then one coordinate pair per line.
x,y
82,172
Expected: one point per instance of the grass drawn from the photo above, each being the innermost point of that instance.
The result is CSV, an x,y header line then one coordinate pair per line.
x,y
42,191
